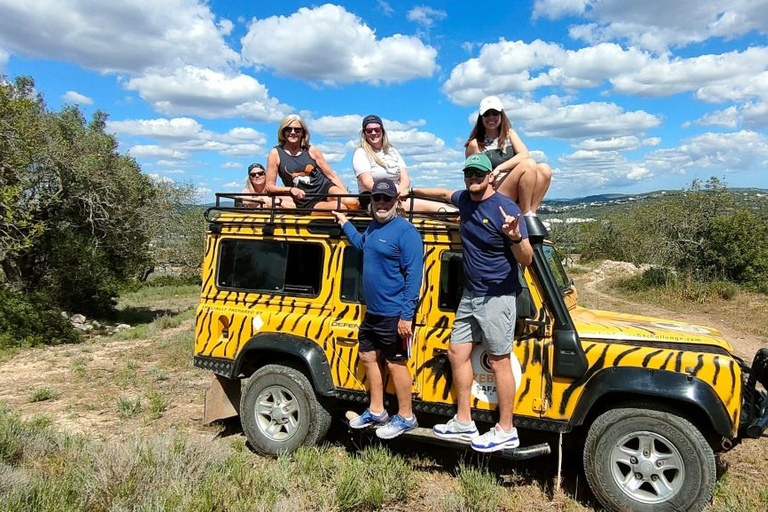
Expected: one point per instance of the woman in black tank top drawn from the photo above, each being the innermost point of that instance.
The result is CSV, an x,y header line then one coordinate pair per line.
x,y
302,168
515,173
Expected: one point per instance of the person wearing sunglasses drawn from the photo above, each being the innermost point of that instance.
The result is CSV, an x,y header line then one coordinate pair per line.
x,y
376,158
393,256
302,168
515,173
256,183
495,240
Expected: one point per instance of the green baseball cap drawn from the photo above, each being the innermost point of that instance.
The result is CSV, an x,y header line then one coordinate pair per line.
x,y
478,161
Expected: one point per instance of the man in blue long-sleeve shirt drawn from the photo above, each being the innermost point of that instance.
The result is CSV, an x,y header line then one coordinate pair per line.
x,y
392,266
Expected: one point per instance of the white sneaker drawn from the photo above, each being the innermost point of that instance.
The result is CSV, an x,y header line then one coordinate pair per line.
x,y
496,439
454,429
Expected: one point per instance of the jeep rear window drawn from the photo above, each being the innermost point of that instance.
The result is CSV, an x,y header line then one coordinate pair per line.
x,y
271,267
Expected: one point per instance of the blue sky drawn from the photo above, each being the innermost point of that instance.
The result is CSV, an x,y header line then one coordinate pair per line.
x,y
616,96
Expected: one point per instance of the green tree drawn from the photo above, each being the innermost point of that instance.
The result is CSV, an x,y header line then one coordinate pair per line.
x,y
76,217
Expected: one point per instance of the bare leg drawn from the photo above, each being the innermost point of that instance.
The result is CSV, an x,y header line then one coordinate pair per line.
x,y
462,379
505,389
520,183
425,205
403,385
543,179
370,360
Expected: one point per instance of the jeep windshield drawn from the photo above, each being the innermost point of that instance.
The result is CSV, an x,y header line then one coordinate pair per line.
x,y
554,261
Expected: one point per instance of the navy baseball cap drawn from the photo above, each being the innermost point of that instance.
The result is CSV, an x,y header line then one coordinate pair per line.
x,y
372,119
384,186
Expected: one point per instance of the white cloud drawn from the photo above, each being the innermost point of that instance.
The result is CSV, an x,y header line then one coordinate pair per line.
x,y
154,151
590,120
555,9
508,67
658,24
426,16
233,185
727,118
385,7
4,56
208,93
117,36
609,144
76,98
335,47
159,179
712,74
722,152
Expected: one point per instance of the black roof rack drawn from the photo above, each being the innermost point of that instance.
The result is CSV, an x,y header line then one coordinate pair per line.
x,y
235,202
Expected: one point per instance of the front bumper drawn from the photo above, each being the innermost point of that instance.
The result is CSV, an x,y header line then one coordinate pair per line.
x,y
754,401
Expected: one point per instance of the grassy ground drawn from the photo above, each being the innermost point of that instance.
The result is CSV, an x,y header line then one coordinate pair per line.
x,y
115,424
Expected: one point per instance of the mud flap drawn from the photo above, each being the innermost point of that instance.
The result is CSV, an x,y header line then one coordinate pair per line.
x,y
222,399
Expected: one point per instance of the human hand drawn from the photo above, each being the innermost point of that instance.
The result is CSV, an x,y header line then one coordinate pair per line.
x,y
300,194
511,225
404,329
340,217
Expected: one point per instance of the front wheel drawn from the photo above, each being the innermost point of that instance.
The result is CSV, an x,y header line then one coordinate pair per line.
x,y
279,411
646,460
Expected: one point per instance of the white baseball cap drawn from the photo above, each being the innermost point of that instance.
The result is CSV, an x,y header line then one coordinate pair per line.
x,y
490,103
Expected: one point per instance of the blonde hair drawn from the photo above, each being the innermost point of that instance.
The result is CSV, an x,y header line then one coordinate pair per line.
x,y
478,133
288,120
385,146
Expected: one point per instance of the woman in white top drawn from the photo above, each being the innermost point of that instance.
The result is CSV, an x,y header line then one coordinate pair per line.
x,y
376,159
515,174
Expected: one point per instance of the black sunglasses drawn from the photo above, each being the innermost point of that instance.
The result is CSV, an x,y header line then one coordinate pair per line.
x,y
491,113
382,198
289,129
471,172
257,173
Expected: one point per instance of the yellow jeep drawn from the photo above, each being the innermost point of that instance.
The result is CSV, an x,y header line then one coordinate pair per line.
x,y
277,325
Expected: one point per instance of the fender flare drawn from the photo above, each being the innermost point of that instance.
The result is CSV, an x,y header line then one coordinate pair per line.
x,y
304,349
655,383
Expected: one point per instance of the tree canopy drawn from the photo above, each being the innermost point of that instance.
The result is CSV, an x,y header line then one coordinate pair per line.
x,y
77,218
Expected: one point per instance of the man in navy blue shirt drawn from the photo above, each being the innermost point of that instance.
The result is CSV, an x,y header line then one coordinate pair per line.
x,y
495,240
393,256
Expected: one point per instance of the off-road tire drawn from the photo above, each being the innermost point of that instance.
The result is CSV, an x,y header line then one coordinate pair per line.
x,y
279,411
618,435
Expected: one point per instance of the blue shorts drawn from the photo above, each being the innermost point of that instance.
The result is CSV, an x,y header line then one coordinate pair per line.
x,y
489,320
380,333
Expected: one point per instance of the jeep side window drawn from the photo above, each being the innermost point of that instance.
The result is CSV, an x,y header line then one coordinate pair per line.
x,y
451,280
272,267
352,275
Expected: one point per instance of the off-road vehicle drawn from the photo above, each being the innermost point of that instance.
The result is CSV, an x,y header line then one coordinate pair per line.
x,y
653,399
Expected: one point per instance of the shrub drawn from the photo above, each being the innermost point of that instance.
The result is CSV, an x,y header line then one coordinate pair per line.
x,y
27,321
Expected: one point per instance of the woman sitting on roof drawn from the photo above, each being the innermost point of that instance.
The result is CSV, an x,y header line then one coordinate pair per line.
x,y
256,183
377,159
305,174
515,174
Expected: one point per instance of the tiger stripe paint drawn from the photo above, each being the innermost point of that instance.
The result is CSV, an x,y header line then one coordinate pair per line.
x,y
227,318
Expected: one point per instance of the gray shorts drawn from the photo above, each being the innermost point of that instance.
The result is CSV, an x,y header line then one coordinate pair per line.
x,y
487,320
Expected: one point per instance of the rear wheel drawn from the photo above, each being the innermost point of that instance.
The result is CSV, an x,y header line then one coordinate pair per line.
x,y
646,460
279,411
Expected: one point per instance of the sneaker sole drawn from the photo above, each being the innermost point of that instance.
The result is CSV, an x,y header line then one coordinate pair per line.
x,y
463,436
509,445
385,436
